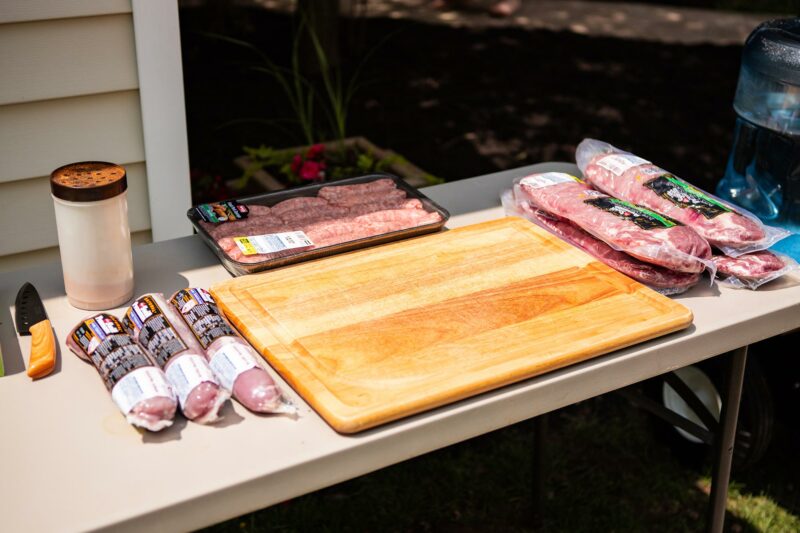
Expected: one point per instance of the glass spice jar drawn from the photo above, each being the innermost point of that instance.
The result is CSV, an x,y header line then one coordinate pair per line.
x,y
93,233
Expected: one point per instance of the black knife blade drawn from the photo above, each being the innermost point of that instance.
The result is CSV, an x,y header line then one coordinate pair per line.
x,y
28,309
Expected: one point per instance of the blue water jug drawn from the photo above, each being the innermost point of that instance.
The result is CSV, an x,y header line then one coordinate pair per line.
x,y
763,170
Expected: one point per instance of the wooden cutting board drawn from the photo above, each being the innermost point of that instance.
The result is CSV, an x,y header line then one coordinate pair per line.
x,y
382,333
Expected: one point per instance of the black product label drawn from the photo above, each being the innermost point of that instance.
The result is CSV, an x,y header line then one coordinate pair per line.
x,y
684,196
642,217
146,321
227,211
201,313
111,350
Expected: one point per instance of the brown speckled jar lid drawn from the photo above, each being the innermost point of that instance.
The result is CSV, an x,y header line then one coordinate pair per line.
x,y
88,181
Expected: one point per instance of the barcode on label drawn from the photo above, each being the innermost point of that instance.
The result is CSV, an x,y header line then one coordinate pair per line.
x,y
273,242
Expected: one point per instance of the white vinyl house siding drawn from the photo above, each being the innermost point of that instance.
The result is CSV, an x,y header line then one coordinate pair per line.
x,y
70,91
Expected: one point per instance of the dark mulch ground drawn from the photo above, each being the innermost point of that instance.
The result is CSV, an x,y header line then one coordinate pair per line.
x,y
462,102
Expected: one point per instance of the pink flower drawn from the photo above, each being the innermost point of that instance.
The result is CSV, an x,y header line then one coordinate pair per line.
x,y
297,161
315,152
311,170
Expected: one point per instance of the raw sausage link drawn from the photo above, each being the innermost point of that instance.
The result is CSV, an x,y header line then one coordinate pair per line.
x,y
301,217
299,203
403,218
258,210
339,191
381,205
378,195
244,227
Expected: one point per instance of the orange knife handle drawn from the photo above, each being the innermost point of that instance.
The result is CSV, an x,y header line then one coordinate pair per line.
x,y
43,350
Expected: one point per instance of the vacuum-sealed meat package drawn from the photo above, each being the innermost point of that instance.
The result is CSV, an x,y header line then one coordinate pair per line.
x,y
662,280
624,226
750,271
633,179
161,333
138,387
232,358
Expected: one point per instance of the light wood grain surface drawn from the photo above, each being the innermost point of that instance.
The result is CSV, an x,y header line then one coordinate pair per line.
x,y
380,334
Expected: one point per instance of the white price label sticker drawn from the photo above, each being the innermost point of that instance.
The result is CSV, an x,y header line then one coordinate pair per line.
x,y
538,181
230,361
273,242
618,164
187,372
141,384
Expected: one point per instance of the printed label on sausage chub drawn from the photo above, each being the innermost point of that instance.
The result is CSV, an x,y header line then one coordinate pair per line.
x,y
110,348
201,313
684,196
141,384
146,320
230,361
186,373
642,217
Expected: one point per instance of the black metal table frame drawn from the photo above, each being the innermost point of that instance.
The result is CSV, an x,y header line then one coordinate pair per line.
x,y
720,434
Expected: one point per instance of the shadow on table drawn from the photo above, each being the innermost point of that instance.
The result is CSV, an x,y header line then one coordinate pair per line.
x,y
703,288
173,433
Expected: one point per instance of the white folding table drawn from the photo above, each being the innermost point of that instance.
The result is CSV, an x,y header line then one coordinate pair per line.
x,y
70,462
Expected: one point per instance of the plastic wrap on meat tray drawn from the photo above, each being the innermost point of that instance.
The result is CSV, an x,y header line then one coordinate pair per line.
x,y
231,357
161,333
665,281
750,271
626,227
138,387
631,178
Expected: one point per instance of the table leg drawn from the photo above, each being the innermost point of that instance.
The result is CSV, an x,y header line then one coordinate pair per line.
x,y
726,435
539,437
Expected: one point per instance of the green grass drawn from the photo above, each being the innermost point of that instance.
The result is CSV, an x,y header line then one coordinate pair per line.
x,y
606,473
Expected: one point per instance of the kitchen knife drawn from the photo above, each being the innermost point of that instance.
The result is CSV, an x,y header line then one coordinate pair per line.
x,y
31,319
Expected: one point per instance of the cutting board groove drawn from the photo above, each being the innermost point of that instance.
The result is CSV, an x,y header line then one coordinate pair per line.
x,y
379,334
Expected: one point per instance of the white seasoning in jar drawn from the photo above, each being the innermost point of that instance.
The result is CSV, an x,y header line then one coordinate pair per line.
x,y
93,233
